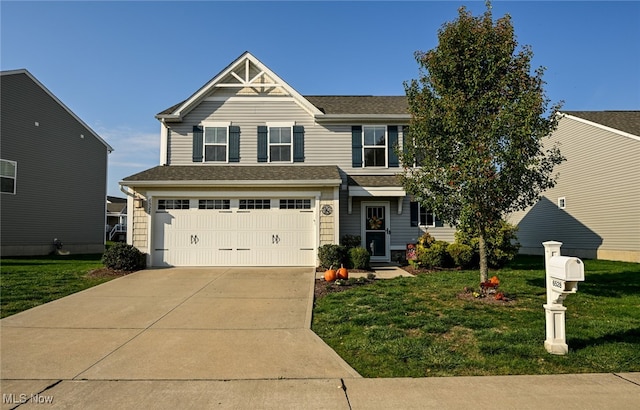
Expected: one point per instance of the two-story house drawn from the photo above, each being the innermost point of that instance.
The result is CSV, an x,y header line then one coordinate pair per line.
x,y
252,173
53,171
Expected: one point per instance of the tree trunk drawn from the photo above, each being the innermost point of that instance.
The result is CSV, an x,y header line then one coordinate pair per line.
x,y
484,265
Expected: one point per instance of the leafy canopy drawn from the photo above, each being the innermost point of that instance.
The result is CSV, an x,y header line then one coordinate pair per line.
x,y
477,124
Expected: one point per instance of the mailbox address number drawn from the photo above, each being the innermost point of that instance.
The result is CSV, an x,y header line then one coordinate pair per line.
x,y
556,284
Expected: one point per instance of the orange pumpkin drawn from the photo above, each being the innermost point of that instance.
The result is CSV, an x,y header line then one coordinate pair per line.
x,y
343,273
495,280
330,274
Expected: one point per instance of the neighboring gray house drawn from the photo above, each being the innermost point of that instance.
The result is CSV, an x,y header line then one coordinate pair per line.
x,y
253,173
594,209
53,169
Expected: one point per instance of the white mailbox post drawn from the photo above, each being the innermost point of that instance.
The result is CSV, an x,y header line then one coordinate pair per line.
x,y
562,276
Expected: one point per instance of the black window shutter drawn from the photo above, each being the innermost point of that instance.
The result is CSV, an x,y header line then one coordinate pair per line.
x,y
298,143
262,143
392,131
234,143
356,146
413,212
197,143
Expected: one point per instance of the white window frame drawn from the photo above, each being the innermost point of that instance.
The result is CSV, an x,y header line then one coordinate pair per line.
x,y
562,202
206,125
384,147
270,144
425,212
14,176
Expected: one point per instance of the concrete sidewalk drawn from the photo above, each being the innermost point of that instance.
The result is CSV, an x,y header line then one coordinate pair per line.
x,y
233,338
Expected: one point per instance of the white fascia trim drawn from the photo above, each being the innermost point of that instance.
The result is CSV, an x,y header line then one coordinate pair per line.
x,y
164,143
206,183
603,127
376,191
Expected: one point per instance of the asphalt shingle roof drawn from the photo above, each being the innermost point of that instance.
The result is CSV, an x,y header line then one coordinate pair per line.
x,y
360,104
374,180
627,121
347,104
236,173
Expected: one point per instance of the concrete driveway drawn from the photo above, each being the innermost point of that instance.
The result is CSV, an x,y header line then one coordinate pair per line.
x,y
175,324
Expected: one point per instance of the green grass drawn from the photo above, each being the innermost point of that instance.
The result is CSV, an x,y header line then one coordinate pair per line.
x,y
26,282
417,327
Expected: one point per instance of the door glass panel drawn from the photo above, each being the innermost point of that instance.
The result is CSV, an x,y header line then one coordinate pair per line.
x,y
375,235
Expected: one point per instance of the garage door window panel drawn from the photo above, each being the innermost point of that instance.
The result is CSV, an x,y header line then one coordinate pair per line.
x,y
255,204
168,204
214,204
295,204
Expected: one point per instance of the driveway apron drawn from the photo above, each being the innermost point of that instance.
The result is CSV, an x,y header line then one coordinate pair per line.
x,y
175,324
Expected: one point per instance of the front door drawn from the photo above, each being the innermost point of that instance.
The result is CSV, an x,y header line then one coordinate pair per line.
x,y
376,232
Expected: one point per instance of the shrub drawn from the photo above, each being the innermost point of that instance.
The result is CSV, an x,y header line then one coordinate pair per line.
x,y
332,255
426,240
435,255
461,254
359,258
501,240
351,241
125,257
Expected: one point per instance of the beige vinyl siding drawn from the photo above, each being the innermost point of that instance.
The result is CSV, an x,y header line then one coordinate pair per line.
x,y
601,183
324,144
61,178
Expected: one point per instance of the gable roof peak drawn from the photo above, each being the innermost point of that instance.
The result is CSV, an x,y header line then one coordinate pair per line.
x,y
245,72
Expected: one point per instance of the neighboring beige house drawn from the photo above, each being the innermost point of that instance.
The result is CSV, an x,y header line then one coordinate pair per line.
x,y
253,173
53,170
594,209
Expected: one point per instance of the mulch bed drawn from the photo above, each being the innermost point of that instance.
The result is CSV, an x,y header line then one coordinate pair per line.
x,y
107,273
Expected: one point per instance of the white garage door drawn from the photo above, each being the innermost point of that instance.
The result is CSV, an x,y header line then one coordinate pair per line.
x,y
234,232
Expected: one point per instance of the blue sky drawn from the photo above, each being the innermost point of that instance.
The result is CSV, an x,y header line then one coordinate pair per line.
x,y
117,64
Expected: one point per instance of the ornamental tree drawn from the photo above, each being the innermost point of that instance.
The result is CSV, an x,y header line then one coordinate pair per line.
x,y
474,149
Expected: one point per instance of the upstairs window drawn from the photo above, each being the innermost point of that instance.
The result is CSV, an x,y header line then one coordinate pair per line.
x,y
375,145
280,144
8,175
215,144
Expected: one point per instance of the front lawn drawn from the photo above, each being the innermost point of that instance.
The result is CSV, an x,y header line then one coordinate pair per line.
x,y
26,282
428,326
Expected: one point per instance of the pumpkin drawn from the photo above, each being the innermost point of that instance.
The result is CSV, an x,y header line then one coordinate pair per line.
x,y
330,274
495,280
342,273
